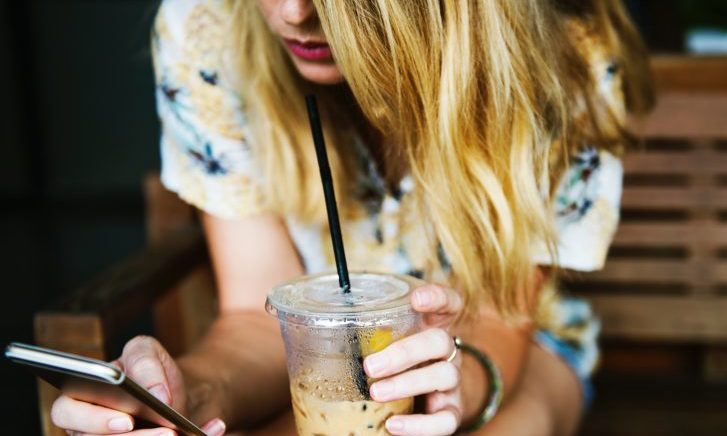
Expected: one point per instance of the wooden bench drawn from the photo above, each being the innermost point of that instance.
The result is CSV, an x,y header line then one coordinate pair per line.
x,y
662,297
666,276
665,280
169,282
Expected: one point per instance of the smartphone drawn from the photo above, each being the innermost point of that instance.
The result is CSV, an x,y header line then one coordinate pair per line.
x,y
98,382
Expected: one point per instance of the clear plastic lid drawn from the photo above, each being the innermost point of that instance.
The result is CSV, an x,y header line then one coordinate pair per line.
x,y
317,300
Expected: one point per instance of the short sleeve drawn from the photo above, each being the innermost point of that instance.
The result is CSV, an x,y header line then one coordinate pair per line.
x,y
586,205
588,196
206,157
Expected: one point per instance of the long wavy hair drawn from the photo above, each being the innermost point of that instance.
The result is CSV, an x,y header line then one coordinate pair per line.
x,y
471,96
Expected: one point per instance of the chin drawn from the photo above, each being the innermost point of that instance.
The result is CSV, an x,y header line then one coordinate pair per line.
x,y
322,74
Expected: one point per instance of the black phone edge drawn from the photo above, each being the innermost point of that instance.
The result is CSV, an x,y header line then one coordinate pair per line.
x,y
126,383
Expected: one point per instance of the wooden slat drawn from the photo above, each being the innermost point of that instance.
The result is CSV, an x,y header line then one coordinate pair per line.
x,y
683,114
166,213
662,318
74,333
676,162
642,358
176,325
715,364
182,316
47,395
720,272
638,270
664,411
127,290
674,198
690,73
671,234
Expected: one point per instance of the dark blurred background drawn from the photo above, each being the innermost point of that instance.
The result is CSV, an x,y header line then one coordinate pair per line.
x,y
78,132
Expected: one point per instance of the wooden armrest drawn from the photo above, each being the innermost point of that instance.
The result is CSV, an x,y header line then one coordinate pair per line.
x,y
85,320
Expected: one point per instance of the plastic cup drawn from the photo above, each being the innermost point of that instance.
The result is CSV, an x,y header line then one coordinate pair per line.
x,y
327,334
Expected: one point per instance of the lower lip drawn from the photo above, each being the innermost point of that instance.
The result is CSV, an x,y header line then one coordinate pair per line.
x,y
310,52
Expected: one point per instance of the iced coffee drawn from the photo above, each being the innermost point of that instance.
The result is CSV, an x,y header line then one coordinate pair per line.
x,y
327,333
320,408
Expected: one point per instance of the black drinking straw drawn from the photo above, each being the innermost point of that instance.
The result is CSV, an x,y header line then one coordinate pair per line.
x,y
328,192
335,226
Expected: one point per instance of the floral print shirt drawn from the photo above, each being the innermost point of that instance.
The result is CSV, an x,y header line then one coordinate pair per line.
x,y
208,159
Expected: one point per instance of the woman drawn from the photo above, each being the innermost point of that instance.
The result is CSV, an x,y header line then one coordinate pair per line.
x,y
452,125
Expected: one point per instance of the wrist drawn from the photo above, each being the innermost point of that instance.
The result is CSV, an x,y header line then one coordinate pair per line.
x,y
493,398
203,390
475,388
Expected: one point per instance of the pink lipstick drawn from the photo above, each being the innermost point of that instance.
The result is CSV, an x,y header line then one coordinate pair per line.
x,y
310,51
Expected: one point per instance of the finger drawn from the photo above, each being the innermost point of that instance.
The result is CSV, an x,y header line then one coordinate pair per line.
x,y
421,347
79,416
161,431
215,427
437,377
437,401
142,362
436,299
444,422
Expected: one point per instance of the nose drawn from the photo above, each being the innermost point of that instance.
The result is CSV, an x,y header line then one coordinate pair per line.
x,y
296,12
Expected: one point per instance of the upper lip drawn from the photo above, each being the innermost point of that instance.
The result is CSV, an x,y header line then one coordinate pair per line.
x,y
306,43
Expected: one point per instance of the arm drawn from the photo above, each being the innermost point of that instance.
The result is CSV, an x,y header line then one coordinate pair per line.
x,y
507,345
238,370
230,367
420,364
547,401
538,384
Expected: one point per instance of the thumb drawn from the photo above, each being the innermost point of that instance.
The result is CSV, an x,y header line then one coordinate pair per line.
x,y
439,305
142,360
436,299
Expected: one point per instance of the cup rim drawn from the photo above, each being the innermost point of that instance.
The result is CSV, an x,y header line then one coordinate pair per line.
x,y
341,317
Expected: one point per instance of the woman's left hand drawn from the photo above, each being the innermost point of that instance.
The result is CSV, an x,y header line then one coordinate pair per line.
x,y
401,374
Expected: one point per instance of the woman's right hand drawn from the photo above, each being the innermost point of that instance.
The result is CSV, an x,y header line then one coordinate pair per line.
x,y
147,363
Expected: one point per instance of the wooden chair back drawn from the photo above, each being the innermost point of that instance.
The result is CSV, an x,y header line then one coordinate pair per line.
x,y
662,296
666,275
169,281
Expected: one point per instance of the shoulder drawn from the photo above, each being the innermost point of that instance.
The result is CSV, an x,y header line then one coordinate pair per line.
x,y
177,12
195,68
586,211
198,28
206,156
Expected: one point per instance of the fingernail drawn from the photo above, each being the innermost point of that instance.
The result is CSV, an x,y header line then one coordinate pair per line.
x,y
122,423
216,427
375,364
382,390
423,298
160,392
394,425
165,433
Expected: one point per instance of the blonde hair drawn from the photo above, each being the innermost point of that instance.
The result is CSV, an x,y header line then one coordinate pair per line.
x,y
624,42
272,94
470,95
608,22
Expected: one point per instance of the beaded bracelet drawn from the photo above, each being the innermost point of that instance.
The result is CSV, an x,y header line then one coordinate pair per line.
x,y
494,399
